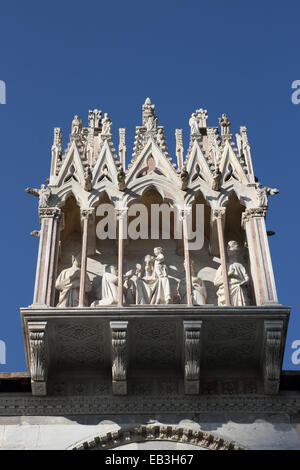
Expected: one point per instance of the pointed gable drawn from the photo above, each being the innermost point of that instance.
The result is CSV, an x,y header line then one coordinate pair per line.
x,y
230,166
72,167
106,167
150,156
197,166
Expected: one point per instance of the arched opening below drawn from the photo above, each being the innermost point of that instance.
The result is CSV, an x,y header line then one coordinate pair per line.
x,y
157,436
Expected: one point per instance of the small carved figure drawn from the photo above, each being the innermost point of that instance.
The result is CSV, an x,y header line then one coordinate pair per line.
x,y
129,288
44,194
217,176
263,193
199,293
95,118
194,125
151,123
121,179
225,124
76,125
68,284
184,176
162,293
88,176
237,278
106,125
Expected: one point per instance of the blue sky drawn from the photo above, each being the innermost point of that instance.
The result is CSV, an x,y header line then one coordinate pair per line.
x,y
61,58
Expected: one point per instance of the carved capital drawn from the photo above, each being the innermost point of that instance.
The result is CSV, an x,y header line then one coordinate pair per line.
x,y
272,355
87,214
253,212
119,357
192,338
50,212
218,213
121,212
38,356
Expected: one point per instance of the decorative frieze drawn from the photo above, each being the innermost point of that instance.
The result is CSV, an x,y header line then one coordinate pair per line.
x,y
273,333
119,357
192,337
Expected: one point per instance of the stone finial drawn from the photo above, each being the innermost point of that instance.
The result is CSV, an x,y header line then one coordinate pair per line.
x,y
224,124
149,117
179,148
57,138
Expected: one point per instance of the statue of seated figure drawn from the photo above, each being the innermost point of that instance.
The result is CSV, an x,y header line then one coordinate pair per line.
x,y
237,278
109,291
68,284
154,286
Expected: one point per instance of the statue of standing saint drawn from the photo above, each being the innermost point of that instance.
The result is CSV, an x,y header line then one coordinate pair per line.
x,y
237,278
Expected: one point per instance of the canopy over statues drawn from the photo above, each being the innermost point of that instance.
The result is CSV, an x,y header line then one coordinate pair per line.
x,y
68,284
237,278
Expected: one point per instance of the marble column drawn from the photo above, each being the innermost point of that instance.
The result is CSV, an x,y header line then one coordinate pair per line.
x,y
122,214
44,290
253,221
219,216
86,214
187,264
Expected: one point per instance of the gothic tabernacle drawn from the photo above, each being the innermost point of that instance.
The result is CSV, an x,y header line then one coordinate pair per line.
x,y
154,281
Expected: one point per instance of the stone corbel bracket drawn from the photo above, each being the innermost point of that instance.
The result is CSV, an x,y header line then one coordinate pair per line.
x,y
192,346
119,357
37,333
272,355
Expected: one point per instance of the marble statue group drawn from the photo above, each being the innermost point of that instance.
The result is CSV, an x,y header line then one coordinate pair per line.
x,y
149,283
